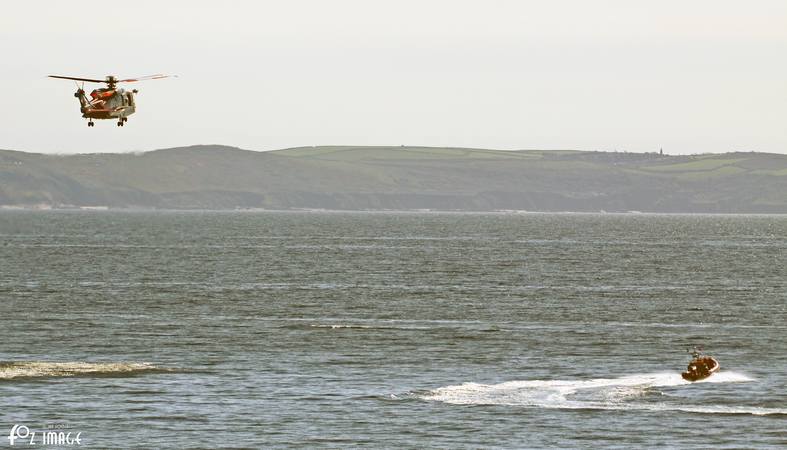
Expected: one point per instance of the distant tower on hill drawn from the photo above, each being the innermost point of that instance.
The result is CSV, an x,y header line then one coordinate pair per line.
x,y
661,151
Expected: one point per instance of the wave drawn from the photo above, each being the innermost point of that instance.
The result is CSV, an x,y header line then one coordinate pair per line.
x,y
599,393
358,327
10,370
336,327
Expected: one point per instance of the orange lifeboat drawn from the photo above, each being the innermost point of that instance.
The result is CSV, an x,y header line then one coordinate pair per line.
x,y
700,367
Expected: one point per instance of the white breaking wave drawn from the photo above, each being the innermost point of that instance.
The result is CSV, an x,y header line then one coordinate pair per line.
x,y
603,393
36,369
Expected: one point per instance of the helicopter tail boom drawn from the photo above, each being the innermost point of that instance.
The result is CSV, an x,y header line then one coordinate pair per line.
x,y
83,102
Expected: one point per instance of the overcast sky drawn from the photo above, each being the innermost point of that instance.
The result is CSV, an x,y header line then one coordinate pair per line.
x,y
689,76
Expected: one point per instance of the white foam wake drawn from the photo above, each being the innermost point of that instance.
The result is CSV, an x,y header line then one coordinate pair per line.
x,y
598,393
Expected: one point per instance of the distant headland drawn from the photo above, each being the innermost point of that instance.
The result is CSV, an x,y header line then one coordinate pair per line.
x,y
215,177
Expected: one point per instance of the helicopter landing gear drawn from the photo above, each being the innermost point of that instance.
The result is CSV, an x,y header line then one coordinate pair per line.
x,y
90,123
120,122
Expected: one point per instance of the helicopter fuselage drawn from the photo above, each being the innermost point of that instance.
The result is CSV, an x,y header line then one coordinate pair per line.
x,y
107,103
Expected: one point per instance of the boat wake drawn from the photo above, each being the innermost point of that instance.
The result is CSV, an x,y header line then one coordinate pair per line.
x,y
624,393
11,370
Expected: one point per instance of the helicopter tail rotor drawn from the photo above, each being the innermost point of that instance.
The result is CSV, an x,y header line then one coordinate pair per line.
x,y
80,90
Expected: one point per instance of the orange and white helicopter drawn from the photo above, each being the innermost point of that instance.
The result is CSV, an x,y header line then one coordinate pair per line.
x,y
109,102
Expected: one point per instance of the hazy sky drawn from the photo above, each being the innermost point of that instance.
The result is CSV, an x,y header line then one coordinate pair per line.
x,y
689,76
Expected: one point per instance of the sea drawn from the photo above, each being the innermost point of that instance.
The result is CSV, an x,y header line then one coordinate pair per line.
x,y
319,329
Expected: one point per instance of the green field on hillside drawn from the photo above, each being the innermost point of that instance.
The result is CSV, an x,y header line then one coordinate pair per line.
x,y
350,153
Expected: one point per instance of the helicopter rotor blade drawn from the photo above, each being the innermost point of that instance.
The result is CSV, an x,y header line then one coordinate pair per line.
x,y
92,80
146,77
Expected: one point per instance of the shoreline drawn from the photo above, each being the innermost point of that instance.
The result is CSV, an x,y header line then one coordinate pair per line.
x,y
105,209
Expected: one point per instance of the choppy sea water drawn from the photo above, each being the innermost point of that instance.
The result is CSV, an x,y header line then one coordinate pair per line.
x,y
251,330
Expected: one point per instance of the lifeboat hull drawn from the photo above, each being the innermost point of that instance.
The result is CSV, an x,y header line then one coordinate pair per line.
x,y
700,368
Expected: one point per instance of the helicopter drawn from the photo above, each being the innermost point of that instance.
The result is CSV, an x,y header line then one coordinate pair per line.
x,y
109,102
